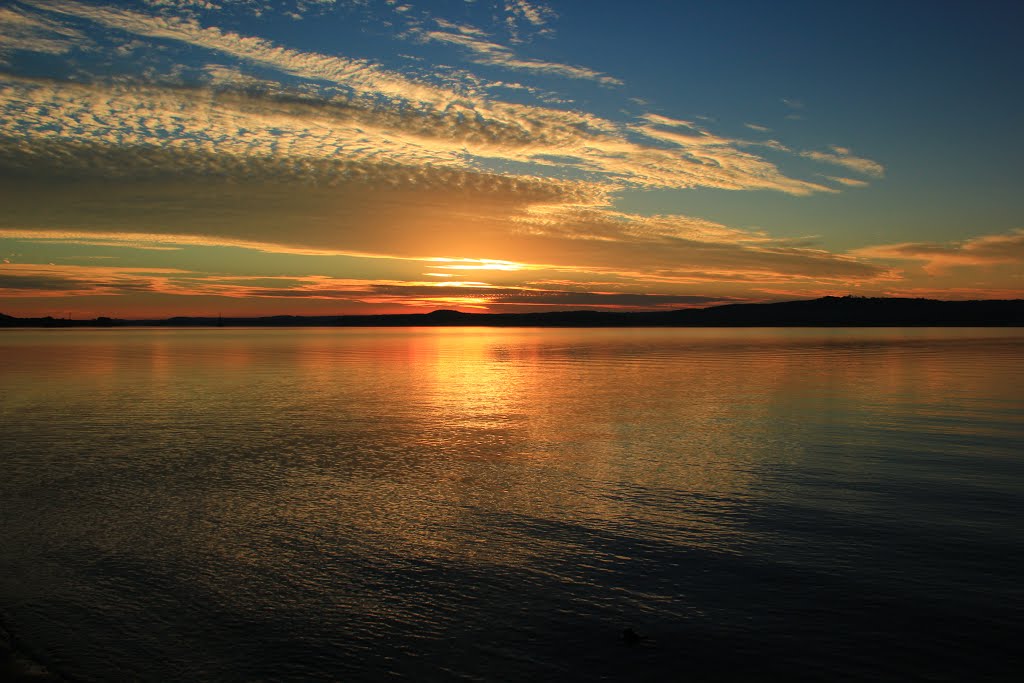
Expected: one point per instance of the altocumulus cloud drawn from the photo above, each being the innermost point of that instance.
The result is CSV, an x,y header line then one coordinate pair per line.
x,y
375,181
459,122
324,154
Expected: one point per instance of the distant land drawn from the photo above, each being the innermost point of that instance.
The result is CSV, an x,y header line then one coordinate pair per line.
x,y
829,311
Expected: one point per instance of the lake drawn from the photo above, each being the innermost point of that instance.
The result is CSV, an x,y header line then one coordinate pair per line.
x,y
501,504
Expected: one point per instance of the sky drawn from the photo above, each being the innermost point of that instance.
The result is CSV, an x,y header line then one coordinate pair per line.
x,y
322,157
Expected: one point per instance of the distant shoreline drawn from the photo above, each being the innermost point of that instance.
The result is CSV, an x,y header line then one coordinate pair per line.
x,y
823,312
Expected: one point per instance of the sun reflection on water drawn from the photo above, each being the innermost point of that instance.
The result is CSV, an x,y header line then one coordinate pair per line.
x,y
412,480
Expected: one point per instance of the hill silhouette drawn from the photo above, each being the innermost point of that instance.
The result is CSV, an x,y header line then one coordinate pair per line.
x,y
829,311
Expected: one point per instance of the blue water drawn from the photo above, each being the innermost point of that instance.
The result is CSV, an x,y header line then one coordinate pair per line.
x,y
473,504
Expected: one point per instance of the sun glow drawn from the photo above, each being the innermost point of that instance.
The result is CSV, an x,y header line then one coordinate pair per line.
x,y
479,264
477,302
457,283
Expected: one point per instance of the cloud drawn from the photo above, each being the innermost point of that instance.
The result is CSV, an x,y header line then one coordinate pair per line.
x,y
500,223
305,153
464,29
660,120
21,30
363,77
451,126
486,52
124,130
357,110
841,156
49,281
536,13
110,243
514,253
336,178
167,241
522,15
184,5
19,284
670,247
431,295
848,182
246,133
716,156
954,293
757,127
985,250
31,280
505,298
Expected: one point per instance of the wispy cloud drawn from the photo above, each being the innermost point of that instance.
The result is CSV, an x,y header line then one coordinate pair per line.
x,y
484,51
678,246
32,280
985,250
363,77
731,165
848,182
432,295
21,30
953,293
51,281
660,120
491,229
841,156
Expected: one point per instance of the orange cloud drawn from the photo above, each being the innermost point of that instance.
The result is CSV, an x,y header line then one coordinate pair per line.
x,y
1006,248
841,156
32,280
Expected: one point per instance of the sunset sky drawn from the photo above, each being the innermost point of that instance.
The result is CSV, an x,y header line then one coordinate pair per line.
x,y
174,157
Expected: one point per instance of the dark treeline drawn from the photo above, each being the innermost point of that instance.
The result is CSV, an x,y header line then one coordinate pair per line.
x,y
824,312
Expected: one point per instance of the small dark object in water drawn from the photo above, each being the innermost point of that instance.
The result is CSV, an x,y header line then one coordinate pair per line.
x,y
630,637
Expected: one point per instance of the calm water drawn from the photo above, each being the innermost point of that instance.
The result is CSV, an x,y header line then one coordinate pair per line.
x,y
471,504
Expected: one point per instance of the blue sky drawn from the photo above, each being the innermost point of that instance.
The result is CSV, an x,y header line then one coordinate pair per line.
x,y
184,156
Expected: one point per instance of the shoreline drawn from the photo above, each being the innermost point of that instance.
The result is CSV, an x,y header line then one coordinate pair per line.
x,y
823,312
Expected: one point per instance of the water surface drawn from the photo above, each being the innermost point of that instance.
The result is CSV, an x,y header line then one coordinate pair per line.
x,y
477,504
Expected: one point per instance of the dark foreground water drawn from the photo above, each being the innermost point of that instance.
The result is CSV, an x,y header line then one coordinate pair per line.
x,y
470,504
